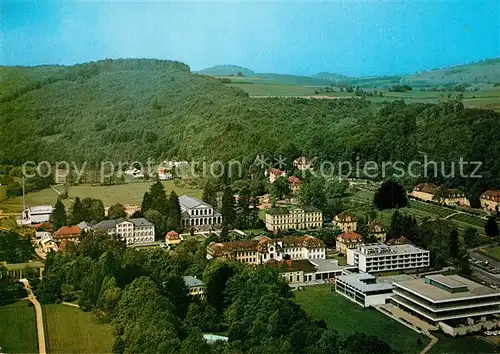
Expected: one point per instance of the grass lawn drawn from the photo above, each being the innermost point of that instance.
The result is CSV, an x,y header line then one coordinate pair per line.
x,y
18,328
342,259
70,330
467,344
346,317
493,252
130,193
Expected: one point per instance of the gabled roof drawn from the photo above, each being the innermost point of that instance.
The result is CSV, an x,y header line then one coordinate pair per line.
x,y
276,171
191,281
350,236
430,188
111,224
491,195
292,265
373,225
66,231
294,180
191,202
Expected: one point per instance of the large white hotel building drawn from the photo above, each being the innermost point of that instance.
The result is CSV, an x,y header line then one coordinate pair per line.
x,y
383,258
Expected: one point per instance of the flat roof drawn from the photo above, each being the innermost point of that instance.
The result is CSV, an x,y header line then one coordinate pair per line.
x,y
436,294
328,265
376,250
356,281
446,281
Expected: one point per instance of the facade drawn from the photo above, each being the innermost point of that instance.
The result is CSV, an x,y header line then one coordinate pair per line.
x,y
302,164
198,214
363,289
132,231
447,300
70,233
36,214
293,218
430,192
262,249
490,201
348,240
377,230
172,238
295,184
345,221
274,173
195,286
383,258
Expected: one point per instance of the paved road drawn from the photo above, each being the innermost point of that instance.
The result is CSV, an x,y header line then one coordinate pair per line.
x,y
39,318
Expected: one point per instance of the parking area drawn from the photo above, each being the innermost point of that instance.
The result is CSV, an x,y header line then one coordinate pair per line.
x,y
484,262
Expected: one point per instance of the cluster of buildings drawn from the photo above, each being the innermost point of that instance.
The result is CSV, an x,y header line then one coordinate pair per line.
x,y
429,192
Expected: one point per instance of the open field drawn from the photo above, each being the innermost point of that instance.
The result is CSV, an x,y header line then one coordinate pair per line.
x,y
493,252
70,330
346,317
18,328
488,97
467,344
130,193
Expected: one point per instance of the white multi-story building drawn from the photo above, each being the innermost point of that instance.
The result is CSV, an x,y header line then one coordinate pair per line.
x,y
132,231
382,258
293,217
453,302
363,289
198,214
36,214
262,249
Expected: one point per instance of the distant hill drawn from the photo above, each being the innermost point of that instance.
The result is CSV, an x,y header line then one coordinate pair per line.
x,y
226,70
330,76
484,71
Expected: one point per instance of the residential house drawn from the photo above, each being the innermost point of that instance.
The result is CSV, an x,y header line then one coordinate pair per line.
x,y
70,233
132,231
172,238
398,241
195,286
377,230
45,241
85,226
348,240
274,173
198,214
490,200
345,221
164,174
444,196
302,163
261,249
295,184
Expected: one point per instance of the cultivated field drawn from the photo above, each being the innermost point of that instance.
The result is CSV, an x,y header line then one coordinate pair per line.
x,y
18,328
488,97
130,193
70,330
347,317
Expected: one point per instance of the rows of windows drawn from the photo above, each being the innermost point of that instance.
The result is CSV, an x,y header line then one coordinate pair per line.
x,y
197,212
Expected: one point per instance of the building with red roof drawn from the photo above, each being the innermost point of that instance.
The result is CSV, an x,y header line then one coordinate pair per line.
x,y
348,240
295,184
70,233
172,238
274,173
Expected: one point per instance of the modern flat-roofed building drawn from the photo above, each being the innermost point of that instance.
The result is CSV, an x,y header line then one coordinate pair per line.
x,y
293,218
383,258
198,214
450,301
363,289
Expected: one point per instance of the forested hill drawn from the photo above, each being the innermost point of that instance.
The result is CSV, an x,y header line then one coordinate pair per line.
x,y
135,109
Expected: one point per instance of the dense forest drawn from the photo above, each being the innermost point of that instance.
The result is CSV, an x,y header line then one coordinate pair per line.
x,y
124,110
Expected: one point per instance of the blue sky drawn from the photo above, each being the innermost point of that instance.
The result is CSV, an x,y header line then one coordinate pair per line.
x,y
348,37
